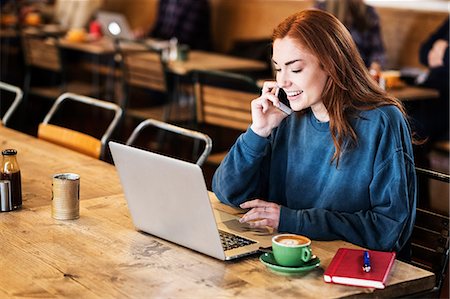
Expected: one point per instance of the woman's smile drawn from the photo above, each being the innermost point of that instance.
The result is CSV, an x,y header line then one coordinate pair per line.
x,y
293,94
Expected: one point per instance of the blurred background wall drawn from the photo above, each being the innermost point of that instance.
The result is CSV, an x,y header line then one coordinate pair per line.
x,y
405,23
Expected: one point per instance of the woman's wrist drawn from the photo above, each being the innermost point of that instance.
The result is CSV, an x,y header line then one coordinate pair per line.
x,y
263,132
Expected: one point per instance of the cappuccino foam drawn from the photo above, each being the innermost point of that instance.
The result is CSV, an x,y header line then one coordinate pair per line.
x,y
292,240
289,242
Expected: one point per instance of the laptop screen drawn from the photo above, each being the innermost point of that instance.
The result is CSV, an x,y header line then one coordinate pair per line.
x,y
114,25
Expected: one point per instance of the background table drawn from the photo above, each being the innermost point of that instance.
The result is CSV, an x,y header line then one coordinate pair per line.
x,y
414,93
197,60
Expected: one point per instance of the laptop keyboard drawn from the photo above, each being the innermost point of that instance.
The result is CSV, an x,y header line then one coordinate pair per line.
x,y
230,241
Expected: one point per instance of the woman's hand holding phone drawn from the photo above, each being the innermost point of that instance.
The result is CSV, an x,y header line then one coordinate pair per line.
x,y
267,110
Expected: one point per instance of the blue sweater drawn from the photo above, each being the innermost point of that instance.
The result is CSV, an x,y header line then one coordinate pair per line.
x,y
369,200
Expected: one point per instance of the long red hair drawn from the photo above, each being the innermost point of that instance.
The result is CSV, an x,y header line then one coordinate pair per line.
x,y
349,87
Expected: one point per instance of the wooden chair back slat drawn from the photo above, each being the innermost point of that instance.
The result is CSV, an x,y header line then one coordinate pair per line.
x,y
227,97
230,123
42,53
71,139
76,140
145,71
224,99
225,107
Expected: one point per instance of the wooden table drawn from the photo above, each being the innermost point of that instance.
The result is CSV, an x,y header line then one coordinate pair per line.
x,y
101,255
40,160
102,46
414,93
197,60
201,60
105,45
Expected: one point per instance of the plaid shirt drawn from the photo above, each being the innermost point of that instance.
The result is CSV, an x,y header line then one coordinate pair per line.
x,y
369,42
187,20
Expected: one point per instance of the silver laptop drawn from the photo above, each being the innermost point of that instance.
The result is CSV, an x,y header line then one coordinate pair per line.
x,y
168,198
115,25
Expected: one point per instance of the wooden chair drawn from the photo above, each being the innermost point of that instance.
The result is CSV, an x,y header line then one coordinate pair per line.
x,y
14,105
180,143
76,140
144,73
42,53
223,99
430,237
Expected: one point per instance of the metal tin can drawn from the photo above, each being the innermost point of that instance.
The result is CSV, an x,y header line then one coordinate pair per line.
x,y
5,196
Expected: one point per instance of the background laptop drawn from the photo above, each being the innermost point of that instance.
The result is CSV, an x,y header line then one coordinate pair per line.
x,y
168,198
115,25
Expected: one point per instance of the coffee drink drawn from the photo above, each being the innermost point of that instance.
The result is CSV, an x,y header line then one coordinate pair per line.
x,y
292,240
291,250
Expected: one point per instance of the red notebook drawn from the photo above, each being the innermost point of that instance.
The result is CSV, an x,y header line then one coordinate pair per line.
x,y
346,267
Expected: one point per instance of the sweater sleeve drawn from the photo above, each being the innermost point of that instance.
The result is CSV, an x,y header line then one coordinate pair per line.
x,y
386,226
242,174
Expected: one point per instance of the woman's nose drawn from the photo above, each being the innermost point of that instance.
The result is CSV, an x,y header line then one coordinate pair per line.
x,y
282,80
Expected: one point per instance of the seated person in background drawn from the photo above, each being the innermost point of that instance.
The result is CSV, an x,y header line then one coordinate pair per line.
x,y
341,165
187,20
431,118
363,23
76,14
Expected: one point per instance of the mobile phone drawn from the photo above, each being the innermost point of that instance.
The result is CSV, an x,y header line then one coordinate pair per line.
x,y
284,102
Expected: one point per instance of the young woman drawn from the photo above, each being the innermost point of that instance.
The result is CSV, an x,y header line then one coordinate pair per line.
x,y
341,166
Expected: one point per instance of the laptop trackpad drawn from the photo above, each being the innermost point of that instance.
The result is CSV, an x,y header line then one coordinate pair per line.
x,y
230,223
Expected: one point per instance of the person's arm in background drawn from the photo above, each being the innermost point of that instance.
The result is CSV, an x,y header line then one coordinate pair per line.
x,y
434,51
84,12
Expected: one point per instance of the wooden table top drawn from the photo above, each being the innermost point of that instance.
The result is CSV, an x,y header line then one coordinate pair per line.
x,y
101,255
101,46
40,160
199,60
414,93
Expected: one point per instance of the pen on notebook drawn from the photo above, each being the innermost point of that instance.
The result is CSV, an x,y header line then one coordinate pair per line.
x,y
366,263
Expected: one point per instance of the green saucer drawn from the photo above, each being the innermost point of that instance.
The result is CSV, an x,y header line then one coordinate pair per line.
x,y
268,260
